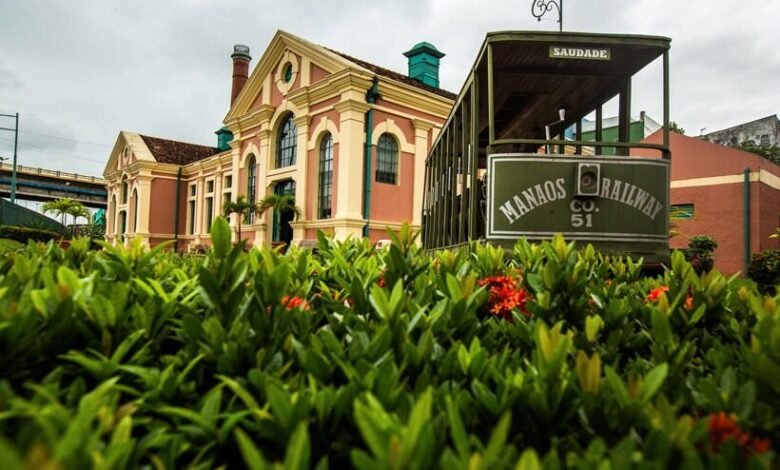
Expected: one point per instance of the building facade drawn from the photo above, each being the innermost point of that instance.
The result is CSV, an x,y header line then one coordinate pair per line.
x,y
761,132
728,194
346,138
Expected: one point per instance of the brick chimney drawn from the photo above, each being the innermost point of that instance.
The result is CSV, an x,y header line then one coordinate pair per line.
x,y
241,60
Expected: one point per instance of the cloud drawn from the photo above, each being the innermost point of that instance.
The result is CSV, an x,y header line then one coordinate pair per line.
x,y
86,70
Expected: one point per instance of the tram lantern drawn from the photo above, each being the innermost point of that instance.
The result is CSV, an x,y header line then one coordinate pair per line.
x,y
588,176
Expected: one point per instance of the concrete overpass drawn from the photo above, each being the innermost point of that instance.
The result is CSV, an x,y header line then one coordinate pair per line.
x,y
40,184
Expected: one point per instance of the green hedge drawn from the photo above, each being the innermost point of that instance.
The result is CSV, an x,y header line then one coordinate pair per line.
x,y
23,234
351,357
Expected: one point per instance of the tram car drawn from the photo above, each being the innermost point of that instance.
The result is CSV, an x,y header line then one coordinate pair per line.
x,y
503,168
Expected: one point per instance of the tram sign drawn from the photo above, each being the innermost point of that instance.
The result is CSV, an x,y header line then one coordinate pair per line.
x,y
615,199
582,53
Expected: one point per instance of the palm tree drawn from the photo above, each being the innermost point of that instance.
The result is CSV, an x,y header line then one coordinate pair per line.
x,y
63,207
280,203
79,211
240,206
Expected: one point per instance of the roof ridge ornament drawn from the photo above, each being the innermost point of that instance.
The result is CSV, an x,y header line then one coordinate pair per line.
x,y
539,8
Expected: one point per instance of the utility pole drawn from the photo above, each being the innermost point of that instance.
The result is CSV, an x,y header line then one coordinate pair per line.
x,y
16,146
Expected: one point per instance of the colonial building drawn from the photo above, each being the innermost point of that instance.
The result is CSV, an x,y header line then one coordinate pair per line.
x,y
347,138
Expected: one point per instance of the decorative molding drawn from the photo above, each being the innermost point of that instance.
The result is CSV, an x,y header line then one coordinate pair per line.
x,y
390,127
323,125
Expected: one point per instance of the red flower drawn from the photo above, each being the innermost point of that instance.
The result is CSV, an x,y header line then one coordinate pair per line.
x,y
688,305
381,281
291,303
505,296
723,427
655,293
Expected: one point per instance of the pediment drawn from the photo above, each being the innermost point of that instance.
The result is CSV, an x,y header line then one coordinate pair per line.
x,y
269,66
128,149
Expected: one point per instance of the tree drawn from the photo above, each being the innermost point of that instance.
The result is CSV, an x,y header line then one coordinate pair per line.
x,y
240,206
674,127
63,207
77,211
280,203
770,152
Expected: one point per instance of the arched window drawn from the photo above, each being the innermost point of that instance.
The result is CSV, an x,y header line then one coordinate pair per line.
x,y
124,190
113,214
122,225
135,210
251,185
325,189
387,160
286,143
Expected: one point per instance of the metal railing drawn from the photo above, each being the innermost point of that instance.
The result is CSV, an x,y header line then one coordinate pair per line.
x,y
29,170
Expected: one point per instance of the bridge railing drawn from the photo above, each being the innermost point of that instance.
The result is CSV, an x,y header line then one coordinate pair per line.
x,y
29,170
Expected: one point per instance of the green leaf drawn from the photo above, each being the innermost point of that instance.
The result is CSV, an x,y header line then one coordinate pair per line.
x,y
240,392
220,237
617,386
497,440
420,416
253,457
457,430
529,461
298,449
653,381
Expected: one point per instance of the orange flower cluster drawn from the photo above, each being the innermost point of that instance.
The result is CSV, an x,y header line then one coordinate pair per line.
x,y
688,305
655,293
505,296
723,427
291,303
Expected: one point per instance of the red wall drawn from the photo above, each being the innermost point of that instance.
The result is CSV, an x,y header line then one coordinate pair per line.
x,y
718,205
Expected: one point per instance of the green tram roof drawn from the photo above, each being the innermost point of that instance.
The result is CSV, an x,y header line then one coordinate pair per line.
x,y
530,86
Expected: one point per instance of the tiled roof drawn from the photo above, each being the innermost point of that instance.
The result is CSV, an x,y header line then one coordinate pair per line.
x,y
175,152
397,76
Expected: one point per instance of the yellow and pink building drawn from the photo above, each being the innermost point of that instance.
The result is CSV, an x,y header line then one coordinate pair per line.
x,y
347,138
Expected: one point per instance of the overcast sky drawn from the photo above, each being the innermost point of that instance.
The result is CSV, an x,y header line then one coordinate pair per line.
x,y
79,71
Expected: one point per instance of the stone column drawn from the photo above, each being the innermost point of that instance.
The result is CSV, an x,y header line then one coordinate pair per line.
x,y
421,129
348,219
301,171
200,204
143,208
262,237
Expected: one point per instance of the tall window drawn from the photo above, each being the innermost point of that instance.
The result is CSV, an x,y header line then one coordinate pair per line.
x,y
387,160
286,143
124,190
122,225
209,204
191,208
326,177
251,185
135,210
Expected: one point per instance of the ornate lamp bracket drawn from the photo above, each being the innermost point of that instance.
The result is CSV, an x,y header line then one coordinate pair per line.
x,y
539,8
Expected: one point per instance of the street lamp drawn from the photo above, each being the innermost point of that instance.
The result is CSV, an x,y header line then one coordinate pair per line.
x,y
16,143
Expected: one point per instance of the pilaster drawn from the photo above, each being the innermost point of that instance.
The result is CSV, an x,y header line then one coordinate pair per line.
x,y
143,208
421,129
349,200
301,167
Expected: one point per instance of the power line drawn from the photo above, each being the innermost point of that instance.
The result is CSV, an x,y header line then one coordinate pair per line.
x,y
64,138
52,152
